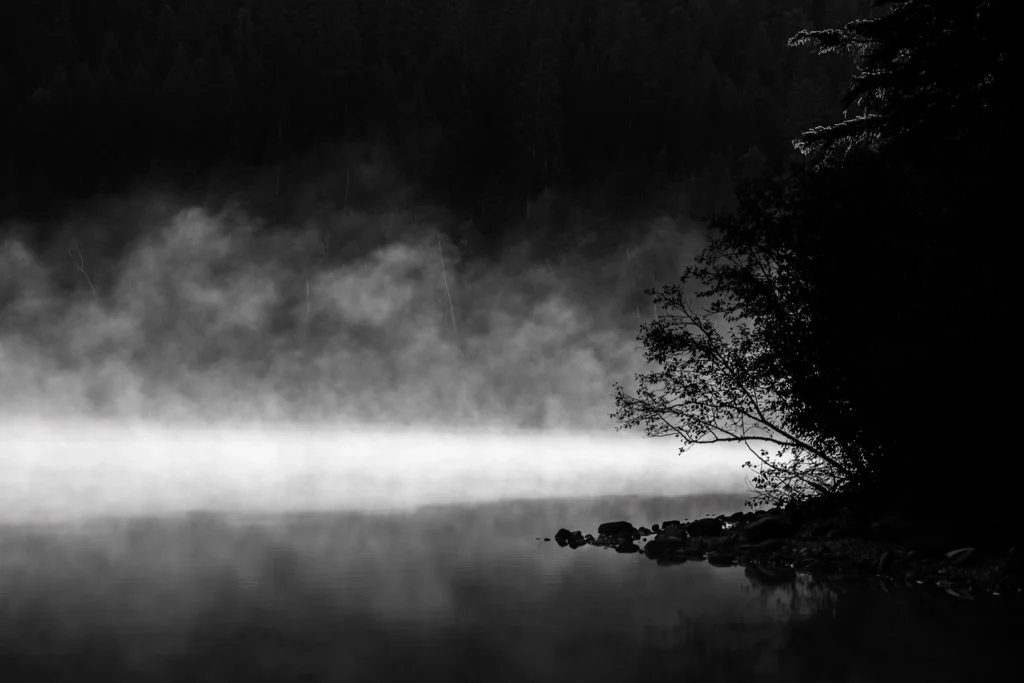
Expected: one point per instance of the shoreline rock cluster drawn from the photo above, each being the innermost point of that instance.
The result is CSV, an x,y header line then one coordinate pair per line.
x,y
965,557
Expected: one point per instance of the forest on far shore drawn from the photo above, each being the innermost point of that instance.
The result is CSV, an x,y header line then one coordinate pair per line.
x,y
483,103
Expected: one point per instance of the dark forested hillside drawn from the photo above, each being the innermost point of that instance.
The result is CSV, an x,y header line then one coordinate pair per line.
x,y
475,98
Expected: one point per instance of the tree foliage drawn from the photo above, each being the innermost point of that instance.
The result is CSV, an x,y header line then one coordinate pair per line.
x,y
741,367
930,73
873,280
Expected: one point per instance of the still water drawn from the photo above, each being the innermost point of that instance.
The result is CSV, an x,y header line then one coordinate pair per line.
x,y
450,593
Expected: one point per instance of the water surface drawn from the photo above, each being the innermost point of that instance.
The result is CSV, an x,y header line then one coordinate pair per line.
x,y
449,593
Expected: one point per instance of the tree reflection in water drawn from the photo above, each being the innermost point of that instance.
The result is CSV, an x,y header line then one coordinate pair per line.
x,y
814,631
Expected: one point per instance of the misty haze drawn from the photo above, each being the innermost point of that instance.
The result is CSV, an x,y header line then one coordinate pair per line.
x,y
212,364
489,340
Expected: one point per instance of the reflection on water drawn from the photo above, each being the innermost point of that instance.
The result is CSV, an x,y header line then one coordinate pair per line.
x,y
449,594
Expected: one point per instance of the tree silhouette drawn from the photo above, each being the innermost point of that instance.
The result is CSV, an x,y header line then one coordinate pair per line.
x,y
930,71
875,319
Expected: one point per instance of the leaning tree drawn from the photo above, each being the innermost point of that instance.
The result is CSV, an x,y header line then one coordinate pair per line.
x,y
737,362
853,318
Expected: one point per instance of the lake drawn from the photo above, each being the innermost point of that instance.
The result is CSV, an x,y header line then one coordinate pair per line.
x,y
141,553
449,593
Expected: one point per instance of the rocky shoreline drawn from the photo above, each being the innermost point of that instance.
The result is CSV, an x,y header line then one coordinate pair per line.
x,y
963,556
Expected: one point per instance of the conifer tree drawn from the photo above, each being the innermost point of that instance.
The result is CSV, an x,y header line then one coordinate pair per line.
x,y
930,71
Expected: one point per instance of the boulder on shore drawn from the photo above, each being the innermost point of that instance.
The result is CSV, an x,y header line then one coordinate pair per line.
x,y
721,558
848,525
615,529
705,527
769,526
774,545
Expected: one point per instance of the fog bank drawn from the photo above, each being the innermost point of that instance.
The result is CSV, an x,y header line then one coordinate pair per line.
x,y
157,354
71,471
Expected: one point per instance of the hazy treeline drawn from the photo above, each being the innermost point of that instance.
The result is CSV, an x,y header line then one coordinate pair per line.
x,y
482,100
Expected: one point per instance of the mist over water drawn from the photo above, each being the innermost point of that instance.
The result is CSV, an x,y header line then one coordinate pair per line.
x,y
61,472
157,355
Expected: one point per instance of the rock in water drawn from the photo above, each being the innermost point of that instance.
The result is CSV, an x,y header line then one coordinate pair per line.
x,y
673,532
653,549
577,540
663,545
615,529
